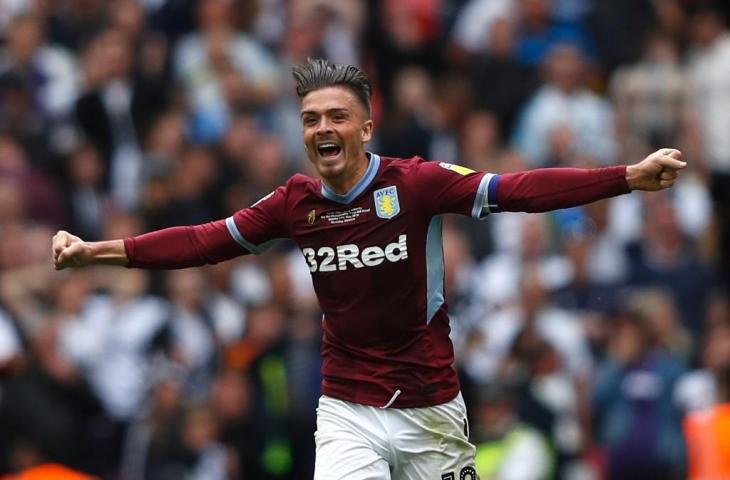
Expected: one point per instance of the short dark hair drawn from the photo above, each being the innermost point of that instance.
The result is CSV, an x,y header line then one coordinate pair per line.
x,y
319,73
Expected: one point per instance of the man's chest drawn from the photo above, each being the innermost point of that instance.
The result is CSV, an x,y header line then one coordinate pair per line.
x,y
375,229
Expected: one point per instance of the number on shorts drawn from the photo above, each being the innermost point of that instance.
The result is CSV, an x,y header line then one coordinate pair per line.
x,y
468,473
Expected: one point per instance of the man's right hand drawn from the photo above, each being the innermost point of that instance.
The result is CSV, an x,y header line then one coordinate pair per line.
x,y
70,251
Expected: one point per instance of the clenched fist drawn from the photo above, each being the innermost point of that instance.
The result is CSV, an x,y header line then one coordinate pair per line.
x,y
657,171
69,251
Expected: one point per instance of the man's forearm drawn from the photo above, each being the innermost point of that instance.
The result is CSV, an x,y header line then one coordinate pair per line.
x,y
110,252
547,189
182,247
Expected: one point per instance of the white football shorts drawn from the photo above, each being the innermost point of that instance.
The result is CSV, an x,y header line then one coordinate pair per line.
x,y
360,442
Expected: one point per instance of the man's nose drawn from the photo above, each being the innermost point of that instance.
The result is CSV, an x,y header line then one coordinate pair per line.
x,y
324,125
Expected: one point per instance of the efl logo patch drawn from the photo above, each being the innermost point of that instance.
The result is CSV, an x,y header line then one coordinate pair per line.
x,y
456,168
386,202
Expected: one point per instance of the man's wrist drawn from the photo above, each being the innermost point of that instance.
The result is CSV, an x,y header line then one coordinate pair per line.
x,y
110,252
631,176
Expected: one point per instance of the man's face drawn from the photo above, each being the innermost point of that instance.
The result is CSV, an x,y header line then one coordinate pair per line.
x,y
335,127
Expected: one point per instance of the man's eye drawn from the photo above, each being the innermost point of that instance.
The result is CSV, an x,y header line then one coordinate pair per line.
x,y
310,121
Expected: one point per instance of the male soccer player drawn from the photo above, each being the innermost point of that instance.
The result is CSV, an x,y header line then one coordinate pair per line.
x,y
370,230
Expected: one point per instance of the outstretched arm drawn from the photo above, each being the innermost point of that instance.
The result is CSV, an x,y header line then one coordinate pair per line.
x,y
176,247
549,189
181,247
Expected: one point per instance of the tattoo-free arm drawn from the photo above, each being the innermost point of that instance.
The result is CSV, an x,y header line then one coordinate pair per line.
x,y
176,247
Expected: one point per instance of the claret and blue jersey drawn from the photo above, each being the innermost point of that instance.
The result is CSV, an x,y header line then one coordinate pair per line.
x,y
376,260
377,266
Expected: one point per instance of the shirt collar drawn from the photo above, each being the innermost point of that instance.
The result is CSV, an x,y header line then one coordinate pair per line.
x,y
359,187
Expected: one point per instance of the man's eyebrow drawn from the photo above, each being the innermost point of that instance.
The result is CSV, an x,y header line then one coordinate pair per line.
x,y
328,111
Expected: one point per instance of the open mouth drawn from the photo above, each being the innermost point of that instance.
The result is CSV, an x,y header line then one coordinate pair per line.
x,y
329,150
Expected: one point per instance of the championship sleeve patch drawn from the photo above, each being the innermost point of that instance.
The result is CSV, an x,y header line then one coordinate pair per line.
x,y
456,168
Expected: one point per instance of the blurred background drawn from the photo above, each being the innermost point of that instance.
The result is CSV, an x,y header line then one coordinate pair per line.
x,y
584,338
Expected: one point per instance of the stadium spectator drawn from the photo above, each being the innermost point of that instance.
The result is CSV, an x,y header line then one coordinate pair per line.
x,y
636,417
453,97
263,354
402,33
473,26
38,198
507,449
652,99
664,258
232,402
709,67
115,111
338,25
221,71
409,130
539,32
72,27
525,241
564,101
201,324
480,145
617,28
38,83
150,436
114,338
165,143
266,166
49,401
85,200
199,455
707,446
704,393
597,264
501,83
700,390
549,398
663,324
538,24
532,310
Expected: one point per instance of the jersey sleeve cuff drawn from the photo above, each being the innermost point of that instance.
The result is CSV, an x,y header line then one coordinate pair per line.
x,y
485,201
129,251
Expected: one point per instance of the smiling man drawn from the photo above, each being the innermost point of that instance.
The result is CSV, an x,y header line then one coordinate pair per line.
x,y
370,231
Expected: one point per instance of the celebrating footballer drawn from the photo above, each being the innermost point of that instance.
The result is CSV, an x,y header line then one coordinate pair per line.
x,y
370,231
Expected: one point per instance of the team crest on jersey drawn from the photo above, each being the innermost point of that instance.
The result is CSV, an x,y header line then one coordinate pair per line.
x,y
386,202
312,216
456,168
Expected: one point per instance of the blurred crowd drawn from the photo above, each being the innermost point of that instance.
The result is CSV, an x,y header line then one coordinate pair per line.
x,y
584,338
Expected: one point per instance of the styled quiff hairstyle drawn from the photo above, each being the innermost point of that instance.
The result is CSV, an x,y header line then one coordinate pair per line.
x,y
318,73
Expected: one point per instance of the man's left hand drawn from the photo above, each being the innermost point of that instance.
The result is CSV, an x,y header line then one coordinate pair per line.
x,y
657,171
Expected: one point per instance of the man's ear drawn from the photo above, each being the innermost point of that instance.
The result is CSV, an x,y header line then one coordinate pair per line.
x,y
366,132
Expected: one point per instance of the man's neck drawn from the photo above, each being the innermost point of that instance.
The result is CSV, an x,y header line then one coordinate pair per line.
x,y
349,180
